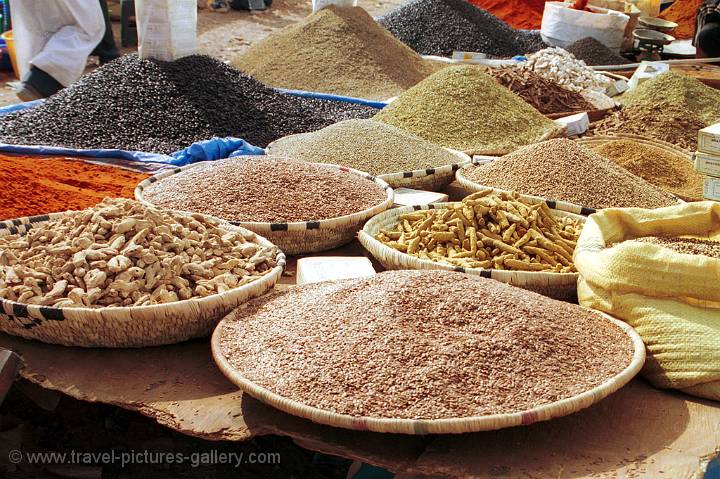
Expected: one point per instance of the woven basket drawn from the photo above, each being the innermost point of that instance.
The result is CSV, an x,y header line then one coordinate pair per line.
x,y
438,426
661,145
125,327
301,237
561,286
429,179
471,187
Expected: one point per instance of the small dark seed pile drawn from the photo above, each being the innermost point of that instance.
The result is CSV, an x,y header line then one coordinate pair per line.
x,y
703,247
438,27
563,170
266,189
594,53
545,95
422,345
154,106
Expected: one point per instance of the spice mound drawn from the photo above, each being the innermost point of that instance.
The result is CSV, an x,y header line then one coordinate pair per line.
x,y
155,106
697,246
122,253
594,53
659,121
366,145
683,13
488,230
544,95
464,108
564,69
526,14
35,185
439,27
422,345
266,190
563,170
336,50
678,89
663,168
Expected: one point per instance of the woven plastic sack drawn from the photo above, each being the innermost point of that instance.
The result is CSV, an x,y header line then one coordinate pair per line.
x,y
671,299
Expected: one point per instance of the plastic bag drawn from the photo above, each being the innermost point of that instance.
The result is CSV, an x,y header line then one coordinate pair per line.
x,y
562,26
215,149
167,29
320,4
671,299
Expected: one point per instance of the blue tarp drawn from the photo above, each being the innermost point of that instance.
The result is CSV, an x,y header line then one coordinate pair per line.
x,y
329,96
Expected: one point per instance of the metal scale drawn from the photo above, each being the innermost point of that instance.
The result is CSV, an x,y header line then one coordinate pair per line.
x,y
651,39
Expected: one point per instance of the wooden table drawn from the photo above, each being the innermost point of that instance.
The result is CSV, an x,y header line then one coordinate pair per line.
x,y
637,432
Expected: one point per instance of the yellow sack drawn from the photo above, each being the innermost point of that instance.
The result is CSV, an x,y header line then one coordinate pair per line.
x,y
671,299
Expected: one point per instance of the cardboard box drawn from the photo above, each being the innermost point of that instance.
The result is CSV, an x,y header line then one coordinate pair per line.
x,y
315,269
410,197
712,188
709,139
707,164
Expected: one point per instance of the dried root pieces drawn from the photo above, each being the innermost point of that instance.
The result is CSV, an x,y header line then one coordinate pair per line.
x,y
122,253
490,231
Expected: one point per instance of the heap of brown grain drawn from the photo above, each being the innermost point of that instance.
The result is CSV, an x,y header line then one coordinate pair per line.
x,y
561,169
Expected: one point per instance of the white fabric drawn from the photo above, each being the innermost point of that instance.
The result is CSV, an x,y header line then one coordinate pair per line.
x,y
56,36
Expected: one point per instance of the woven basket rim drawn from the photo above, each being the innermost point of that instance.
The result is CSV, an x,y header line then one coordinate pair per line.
x,y
543,412
375,246
554,204
328,223
419,173
273,275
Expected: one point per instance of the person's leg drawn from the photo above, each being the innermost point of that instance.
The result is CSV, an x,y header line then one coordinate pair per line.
x,y
106,50
708,41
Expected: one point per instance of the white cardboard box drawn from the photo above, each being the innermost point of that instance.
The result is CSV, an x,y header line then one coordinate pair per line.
x,y
712,188
707,164
315,269
709,139
410,197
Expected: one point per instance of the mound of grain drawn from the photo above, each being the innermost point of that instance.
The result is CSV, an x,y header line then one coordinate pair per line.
x,y
149,105
677,89
336,50
698,246
434,345
592,52
266,189
438,27
563,170
662,121
366,145
668,171
464,108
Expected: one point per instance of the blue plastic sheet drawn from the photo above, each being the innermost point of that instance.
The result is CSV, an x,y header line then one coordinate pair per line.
x,y
205,150
328,96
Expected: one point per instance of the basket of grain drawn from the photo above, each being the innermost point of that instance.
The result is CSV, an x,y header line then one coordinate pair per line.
x,y
502,236
394,155
121,274
662,164
567,175
442,353
300,207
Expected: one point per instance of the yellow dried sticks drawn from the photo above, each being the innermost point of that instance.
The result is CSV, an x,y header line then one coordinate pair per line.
x,y
489,230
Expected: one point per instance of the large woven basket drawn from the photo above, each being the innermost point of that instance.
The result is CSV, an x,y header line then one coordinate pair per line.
x,y
125,327
641,140
471,187
301,237
430,179
459,425
561,286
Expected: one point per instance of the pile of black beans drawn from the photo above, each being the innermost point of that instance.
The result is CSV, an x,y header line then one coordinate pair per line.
x,y
439,27
161,107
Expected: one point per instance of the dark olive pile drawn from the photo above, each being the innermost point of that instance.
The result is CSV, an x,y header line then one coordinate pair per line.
x,y
594,53
439,27
154,106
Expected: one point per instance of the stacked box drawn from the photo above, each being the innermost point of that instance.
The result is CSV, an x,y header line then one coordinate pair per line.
x,y
707,160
